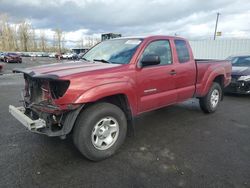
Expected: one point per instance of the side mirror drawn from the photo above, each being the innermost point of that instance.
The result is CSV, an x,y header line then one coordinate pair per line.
x,y
148,60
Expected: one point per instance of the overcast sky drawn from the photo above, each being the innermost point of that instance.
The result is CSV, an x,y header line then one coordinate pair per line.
x,y
188,18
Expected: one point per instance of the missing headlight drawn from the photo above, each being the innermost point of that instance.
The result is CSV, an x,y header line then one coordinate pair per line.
x,y
58,88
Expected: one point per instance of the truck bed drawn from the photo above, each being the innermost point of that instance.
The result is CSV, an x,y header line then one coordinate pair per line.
x,y
208,60
205,68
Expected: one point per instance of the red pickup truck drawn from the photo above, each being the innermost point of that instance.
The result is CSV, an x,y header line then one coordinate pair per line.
x,y
97,98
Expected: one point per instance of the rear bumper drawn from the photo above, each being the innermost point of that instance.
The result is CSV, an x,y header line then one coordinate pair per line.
x,y
32,125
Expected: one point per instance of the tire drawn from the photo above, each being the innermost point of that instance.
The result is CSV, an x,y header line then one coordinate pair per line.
x,y
90,123
210,102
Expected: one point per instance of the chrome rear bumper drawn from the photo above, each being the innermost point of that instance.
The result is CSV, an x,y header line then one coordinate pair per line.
x,y
32,125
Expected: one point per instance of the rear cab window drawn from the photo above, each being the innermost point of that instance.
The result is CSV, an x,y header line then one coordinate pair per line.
x,y
182,51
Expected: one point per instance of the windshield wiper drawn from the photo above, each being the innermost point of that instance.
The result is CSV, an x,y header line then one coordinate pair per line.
x,y
102,60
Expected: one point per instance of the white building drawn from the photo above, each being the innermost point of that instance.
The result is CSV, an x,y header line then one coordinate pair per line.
x,y
220,49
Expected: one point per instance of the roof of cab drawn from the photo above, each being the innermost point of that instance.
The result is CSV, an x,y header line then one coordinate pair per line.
x,y
148,36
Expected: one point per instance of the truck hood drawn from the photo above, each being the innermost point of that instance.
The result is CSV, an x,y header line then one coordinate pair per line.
x,y
58,70
240,71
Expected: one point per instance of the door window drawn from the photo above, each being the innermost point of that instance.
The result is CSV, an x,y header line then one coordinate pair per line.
x,y
160,48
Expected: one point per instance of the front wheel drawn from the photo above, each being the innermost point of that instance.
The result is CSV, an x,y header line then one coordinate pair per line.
x,y
210,102
100,130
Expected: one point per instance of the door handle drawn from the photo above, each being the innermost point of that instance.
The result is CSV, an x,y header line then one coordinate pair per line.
x,y
172,72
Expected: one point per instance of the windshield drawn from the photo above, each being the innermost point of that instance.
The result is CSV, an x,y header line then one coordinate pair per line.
x,y
241,61
118,51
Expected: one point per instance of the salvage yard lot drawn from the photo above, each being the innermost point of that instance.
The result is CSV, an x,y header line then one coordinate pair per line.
x,y
177,146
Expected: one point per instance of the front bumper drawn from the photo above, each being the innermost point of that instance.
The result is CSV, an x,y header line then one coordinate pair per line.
x,y
14,60
45,123
32,125
240,87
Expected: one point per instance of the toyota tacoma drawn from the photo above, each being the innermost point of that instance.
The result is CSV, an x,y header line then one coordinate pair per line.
x,y
97,98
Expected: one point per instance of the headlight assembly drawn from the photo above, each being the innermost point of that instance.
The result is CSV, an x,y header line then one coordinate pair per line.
x,y
244,78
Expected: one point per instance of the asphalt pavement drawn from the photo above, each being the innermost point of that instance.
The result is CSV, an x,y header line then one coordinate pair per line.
x,y
177,146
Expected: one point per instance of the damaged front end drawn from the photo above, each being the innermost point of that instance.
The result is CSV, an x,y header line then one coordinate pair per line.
x,y
239,84
40,112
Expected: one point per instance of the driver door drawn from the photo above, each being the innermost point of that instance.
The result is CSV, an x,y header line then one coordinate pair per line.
x,y
156,83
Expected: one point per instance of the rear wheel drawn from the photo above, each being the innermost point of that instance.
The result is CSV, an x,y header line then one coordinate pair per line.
x,y
210,102
100,130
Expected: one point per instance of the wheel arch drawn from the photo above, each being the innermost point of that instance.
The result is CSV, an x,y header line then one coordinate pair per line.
x,y
216,76
120,100
112,92
220,80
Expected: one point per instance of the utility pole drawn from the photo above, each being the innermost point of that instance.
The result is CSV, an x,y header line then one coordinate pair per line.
x,y
215,30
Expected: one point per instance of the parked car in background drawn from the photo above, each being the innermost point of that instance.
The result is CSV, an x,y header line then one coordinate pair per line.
x,y
52,55
2,56
12,58
25,54
240,75
39,54
45,54
32,54
69,56
75,56
1,67
80,55
59,55
96,99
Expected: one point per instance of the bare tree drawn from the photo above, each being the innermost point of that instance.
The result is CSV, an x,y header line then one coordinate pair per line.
x,y
63,43
7,34
24,35
32,41
58,36
15,35
43,42
80,43
96,40
88,41
91,41
3,24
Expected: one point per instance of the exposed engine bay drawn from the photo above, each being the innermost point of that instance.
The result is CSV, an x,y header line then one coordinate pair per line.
x,y
38,96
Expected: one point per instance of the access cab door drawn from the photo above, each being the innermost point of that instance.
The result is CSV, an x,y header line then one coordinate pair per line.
x,y
156,83
185,79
